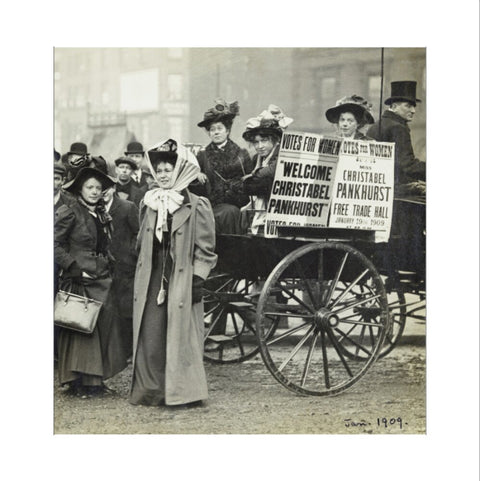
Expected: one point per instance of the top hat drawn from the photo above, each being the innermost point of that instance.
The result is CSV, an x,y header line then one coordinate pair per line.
x,y
354,104
403,91
134,148
221,112
270,122
126,160
78,148
85,173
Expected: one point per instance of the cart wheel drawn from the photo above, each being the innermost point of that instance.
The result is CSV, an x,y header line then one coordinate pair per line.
x,y
337,311
230,310
398,315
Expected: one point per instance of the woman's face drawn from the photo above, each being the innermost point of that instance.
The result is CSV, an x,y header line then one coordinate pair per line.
x,y
347,124
263,145
164,172
218,133
92,190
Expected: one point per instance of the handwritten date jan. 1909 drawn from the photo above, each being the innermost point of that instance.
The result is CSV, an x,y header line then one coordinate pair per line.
x,y
385,423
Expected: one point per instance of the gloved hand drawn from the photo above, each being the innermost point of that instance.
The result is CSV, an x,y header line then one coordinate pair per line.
x,y
74,272
197,289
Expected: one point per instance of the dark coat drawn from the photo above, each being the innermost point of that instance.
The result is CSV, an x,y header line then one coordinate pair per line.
x,y
395,129
125,229
101,353
133,192
261,181
192,250
224,169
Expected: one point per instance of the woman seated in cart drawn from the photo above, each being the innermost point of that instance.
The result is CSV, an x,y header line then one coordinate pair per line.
x,y
264,133
223,164
350,115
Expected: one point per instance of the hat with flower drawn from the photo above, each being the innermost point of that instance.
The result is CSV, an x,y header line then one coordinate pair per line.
x,y
271,121
356,105
221,112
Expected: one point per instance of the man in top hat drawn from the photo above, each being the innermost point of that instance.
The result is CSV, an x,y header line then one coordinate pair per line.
x,y
137,154
393,128
126,187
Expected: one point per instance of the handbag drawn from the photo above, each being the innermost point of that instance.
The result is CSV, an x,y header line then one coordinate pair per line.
x,y
76,312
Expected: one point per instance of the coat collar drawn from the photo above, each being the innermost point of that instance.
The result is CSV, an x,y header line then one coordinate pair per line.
x,y
388,114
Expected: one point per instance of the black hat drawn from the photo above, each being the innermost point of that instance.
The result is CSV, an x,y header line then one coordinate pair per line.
x,y
403,91
354,104
126,160
221,112
166,152
134,148
78,148
59,168
85,173
56,156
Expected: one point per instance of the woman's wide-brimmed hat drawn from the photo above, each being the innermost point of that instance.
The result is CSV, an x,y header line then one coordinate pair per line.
x,y
221,111
403,91
126,160
134,148
78,148
271,121
86,173
356,105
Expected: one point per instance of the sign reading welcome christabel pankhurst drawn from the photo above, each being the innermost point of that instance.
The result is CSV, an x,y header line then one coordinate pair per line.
x,y
322,181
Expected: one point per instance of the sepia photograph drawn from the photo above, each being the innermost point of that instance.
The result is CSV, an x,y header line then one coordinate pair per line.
x,y
247,226
252,204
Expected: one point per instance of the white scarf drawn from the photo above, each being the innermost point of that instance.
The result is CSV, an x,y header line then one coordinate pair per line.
x,y
169,200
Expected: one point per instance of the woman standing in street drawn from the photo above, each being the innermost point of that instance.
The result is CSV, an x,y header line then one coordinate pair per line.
x,y
82,239
223,164
349,115
176,242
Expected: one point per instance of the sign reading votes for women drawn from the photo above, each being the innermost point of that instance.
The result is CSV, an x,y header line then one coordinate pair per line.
x,y
362,195
322,181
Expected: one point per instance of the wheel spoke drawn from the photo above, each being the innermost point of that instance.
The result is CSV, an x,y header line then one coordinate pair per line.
x,y
355,304
286,334
295,298
349,288
296,349
238,336
309,359
303,278
356,344
325,359
339,352
334,283
214,322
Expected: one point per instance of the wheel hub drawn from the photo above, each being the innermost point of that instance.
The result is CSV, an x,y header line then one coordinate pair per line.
x,y
326,318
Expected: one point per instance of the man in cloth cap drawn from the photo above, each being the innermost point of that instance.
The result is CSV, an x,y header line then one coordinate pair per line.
x,y
136,152
126,187
410,172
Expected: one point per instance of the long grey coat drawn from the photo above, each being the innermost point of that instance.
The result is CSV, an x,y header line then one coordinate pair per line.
x,y
192,250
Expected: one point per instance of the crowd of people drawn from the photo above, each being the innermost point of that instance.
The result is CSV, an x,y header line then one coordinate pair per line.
x,y
143,242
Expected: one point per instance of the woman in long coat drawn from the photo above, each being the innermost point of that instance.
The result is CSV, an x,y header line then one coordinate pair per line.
x,y
176,242
82,238
223,164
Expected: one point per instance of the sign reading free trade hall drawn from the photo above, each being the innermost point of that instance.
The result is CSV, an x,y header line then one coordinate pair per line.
x,y
323,181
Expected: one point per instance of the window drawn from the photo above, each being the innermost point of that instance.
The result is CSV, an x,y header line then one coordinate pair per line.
x,y
327,88
175,53
374,86
175,126
175,86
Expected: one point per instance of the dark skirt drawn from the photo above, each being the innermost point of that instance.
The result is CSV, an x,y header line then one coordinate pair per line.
x,y
148,383
228,219
88,359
